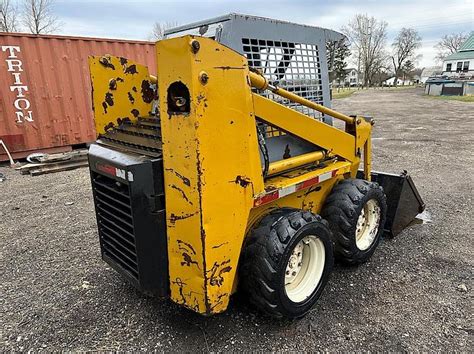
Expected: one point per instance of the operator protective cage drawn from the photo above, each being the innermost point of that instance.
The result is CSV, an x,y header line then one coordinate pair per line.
x,y
289,55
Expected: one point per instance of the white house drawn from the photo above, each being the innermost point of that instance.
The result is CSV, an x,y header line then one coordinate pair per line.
x,y
400,82
352,78
461,63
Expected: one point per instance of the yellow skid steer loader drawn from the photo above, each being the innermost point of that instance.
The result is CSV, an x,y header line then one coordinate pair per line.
x,y
224,173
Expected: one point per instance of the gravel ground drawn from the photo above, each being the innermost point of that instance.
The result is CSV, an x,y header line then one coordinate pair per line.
x,y
414,294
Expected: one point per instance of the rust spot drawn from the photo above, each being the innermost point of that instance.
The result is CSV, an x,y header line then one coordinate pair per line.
x,y
119,79
180,284
243,181
134,89
132,69
135,112
109,126
123,61
185,180
174,218
200,97
109,99
105,61
229,67
104,105
182,193
217,302
122,120
130,97
218,269
184,246
187,260
112,84
222,244
148,94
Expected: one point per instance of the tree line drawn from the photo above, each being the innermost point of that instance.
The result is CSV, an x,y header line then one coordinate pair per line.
x,y
34,16
367,40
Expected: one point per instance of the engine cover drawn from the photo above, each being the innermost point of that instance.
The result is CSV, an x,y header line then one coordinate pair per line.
x,y
130,209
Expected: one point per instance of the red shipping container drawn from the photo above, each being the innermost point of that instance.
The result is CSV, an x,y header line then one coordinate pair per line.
x,y
45,89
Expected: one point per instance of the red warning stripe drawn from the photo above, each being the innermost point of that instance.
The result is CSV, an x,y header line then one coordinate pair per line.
x,y
280,193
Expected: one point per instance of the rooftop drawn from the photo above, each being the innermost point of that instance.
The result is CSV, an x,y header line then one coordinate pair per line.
x,y
468,54
466,50
468,44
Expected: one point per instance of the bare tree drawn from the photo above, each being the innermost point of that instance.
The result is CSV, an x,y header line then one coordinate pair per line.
x,y
404,47
368,36
8,16
449,44
158,31
38,16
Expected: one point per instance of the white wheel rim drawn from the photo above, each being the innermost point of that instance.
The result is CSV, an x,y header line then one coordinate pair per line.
x,y
305,268
368,225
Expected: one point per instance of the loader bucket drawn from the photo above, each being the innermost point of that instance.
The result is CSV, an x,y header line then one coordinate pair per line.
x,y
404,202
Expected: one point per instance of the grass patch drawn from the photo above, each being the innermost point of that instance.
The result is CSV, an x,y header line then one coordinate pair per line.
x,y
343,93
346,92
453,98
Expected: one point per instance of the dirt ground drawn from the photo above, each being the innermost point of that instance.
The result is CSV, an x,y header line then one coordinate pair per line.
x,y
414,294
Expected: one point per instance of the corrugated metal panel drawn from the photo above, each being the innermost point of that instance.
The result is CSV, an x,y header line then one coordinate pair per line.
x,y
49,77
468,44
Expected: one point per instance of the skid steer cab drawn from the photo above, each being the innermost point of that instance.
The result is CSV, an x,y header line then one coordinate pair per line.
x,y
223,172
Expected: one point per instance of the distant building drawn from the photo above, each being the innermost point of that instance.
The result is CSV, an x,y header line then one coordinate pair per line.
x,y
352,78
461,64
400,82
432,71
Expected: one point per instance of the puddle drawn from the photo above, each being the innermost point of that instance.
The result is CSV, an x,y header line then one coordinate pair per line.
x,y
422,218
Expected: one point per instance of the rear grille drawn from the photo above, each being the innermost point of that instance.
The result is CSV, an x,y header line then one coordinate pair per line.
x,y
114,217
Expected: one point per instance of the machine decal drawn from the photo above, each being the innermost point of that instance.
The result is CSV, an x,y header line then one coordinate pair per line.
x,y
114,171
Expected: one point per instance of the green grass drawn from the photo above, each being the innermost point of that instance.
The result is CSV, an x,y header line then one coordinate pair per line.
x,y
343,93
346,92
453,98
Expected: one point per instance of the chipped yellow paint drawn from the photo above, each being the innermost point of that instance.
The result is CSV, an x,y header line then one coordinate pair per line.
x,y
120,90
214,149
212,167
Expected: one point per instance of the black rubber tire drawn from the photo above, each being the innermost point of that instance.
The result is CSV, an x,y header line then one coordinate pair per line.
x,y
342,209
266,254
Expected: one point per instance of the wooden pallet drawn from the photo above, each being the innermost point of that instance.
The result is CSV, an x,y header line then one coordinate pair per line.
x,y
56,163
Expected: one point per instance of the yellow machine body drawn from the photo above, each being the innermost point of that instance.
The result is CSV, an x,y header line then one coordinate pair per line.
x,y
122,90
215,190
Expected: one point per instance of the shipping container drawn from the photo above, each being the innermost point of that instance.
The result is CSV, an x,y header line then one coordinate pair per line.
x,y
45,90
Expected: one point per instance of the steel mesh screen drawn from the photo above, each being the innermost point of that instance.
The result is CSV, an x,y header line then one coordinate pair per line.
x,y
292,66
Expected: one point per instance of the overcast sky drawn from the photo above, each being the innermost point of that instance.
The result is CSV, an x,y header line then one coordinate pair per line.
x,y
133,19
